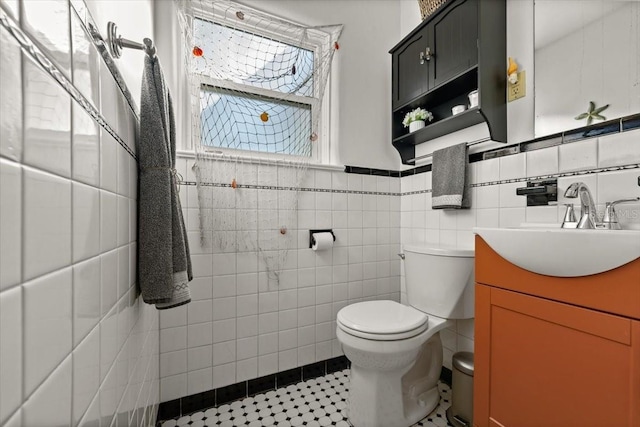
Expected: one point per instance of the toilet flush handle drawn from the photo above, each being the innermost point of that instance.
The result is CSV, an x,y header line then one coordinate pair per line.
x,y
401,256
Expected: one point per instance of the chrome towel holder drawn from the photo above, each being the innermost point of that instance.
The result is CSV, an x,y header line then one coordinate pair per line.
x,y
116,43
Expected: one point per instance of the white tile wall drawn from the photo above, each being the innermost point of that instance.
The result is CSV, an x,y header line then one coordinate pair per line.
x,y
10,224
579,155
11,94
617,150
498,205
243,325
47,122
77,346
49,23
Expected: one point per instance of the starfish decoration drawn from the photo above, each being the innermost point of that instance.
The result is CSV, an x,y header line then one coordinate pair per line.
x,y
592,113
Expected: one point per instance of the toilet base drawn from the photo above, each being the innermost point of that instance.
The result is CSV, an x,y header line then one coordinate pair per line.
x,y
397,397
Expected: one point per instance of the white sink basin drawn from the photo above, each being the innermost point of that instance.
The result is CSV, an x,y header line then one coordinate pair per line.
x,y
563,252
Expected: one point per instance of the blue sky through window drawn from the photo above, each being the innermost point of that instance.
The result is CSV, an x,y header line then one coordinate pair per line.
x,y
234,118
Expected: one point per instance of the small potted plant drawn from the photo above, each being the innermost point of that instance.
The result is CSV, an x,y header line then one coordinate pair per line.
x,y
415,119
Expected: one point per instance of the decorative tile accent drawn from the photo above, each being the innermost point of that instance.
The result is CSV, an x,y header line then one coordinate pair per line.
x,y
321,401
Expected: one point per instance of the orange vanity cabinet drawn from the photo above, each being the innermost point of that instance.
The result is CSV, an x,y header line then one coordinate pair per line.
x,y
554,351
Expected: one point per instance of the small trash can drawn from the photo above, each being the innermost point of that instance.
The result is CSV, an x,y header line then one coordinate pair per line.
x,y
460,413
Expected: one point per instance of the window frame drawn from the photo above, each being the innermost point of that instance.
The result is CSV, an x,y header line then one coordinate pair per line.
x,y
320,147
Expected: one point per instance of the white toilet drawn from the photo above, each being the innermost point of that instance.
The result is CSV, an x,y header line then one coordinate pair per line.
x,y
395,349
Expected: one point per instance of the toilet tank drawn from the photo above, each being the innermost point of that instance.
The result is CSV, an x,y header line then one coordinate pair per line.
x,y
440,281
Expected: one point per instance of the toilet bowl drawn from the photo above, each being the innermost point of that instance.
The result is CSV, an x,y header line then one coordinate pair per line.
x,y
395,350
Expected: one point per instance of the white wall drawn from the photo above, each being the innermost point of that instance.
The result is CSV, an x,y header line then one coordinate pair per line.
x,y
134,19
596,63
409,17
361,76
77,345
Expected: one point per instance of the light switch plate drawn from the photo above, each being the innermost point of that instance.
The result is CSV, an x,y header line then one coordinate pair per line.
x,y
518,90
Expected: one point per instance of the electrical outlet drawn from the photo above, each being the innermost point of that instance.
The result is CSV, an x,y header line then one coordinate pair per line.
x,y
518,90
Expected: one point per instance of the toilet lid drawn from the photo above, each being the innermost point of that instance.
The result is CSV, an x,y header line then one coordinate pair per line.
x,y
381,317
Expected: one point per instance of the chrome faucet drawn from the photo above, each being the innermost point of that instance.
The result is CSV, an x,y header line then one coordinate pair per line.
x,y
588,214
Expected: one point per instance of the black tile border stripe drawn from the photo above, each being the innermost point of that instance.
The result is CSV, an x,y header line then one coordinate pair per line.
x,y
609,127
46,64
223,395
446,375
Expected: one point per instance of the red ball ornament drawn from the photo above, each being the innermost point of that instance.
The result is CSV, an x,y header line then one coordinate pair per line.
x,y
197,51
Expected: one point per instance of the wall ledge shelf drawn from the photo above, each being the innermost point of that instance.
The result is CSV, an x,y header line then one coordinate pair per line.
x,y
467,118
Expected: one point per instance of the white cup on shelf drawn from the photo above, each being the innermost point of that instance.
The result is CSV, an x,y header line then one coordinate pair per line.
x,y
473,98
458,109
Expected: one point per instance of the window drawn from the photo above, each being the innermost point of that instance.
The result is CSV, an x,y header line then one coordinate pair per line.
x,y
258,92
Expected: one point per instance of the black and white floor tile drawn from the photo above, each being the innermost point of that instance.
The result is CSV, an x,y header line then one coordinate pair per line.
x,y
316,402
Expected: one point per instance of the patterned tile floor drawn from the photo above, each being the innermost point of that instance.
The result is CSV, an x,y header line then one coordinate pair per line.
x,y
316,402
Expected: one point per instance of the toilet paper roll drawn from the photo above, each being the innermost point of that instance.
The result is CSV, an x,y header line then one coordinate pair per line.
x,y
322,241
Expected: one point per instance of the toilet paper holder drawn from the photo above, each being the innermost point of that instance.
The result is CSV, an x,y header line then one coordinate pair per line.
x,y
312,239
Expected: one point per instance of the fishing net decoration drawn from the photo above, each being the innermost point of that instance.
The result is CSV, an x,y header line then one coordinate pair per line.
x,y
256,86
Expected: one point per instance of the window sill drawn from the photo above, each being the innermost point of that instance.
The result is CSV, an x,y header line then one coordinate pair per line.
x,y
190,154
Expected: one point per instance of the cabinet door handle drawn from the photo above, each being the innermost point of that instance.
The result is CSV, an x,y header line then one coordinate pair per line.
x,y
426,56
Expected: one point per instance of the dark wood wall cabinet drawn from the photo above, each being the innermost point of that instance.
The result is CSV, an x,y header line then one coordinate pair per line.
x,y
460,48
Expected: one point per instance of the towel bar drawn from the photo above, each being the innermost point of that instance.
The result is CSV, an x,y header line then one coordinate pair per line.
x,y
469,144
116,43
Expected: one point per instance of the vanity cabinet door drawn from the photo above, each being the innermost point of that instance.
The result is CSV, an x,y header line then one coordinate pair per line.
x,y
545,363
410,73
453,39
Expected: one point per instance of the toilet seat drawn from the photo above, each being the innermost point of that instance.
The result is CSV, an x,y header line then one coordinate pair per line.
x,y
382,320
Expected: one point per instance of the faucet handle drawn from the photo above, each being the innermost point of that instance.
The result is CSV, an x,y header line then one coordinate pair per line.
x,y
610,219
570,220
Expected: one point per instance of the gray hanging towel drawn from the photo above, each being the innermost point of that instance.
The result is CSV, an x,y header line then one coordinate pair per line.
x,y
450,181
164,262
